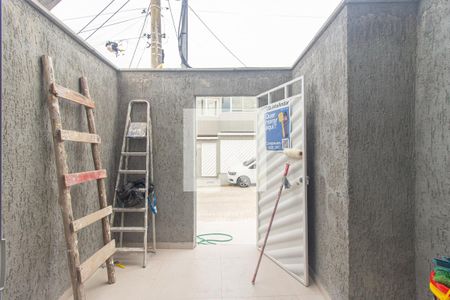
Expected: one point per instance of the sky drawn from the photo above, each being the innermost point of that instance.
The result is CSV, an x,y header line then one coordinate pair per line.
x,y
259,33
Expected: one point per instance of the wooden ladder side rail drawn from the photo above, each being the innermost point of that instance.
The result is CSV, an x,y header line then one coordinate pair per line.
x,y
65,200
100,182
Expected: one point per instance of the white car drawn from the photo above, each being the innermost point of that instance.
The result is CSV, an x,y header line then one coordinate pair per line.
x,y
243,174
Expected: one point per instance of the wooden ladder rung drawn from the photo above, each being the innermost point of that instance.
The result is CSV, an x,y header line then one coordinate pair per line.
x,y
77,178
71,95
76,136
85,221
87,268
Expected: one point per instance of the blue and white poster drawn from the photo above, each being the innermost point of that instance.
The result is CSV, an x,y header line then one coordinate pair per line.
x,y
277,120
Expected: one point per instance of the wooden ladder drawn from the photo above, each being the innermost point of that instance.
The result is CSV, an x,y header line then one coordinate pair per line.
x,y
79,272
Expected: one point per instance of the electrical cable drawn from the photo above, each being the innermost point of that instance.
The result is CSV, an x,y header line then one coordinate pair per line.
x,y
85,17
95,16
173,20
112,37
140,34
120,40
217,38
107,20
112,24
260,15
140,58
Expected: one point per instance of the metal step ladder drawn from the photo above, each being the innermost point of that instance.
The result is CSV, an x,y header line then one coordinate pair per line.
x,y
136,132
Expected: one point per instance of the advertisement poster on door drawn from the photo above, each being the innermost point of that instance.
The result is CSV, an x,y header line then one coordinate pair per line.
x,y
277,120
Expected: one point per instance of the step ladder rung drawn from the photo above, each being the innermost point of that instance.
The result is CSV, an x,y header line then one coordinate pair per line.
x,y
130,249
133,172
131,209
134,153
128,229
137,130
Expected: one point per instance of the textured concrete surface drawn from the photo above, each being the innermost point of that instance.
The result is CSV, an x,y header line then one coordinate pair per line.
x,y
171,92
381,57
36,251
325,69
432,138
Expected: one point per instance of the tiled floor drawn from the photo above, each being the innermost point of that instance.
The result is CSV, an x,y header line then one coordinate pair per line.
x,y
205,273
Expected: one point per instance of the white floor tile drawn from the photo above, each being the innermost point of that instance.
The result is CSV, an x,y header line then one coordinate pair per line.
x,y
204,273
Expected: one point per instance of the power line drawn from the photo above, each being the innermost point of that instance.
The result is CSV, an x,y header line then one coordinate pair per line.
x,y
173,20
112,37
107,20
119,40
217,38
261,15
112,24
96,16
140,34
139,61
85,17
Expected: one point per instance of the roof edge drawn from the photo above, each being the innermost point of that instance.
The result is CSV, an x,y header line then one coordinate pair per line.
x,y
245,69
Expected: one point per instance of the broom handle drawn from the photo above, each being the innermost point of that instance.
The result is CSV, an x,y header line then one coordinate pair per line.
x,y
286,170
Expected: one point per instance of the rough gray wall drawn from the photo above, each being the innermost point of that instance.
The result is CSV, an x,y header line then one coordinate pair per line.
x,y
36,250
171,92
325,72
381,58
432,138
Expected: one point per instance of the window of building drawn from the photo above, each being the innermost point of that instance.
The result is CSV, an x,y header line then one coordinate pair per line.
x,y
238,104
207,106
226,104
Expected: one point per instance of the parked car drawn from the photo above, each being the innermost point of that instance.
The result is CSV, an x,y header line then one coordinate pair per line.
x,y
243,174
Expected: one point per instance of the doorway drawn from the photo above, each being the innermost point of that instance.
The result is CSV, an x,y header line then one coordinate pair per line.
x,y
226,170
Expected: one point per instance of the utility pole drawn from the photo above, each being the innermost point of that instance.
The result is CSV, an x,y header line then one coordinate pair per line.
x,y
184,33
156,50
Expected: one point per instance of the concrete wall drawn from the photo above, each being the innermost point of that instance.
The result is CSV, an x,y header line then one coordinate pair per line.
x,y
171,92
432,138
36,250
324,66
381,56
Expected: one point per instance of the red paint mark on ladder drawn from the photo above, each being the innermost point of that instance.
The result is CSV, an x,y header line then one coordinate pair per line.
x,y
77,178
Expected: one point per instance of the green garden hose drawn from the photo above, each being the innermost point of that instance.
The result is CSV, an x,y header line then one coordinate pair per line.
x,y
212,238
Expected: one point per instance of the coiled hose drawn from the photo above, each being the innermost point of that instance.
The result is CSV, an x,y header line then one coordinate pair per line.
x,y
213,238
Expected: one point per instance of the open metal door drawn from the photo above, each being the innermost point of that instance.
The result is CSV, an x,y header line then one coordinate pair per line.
x,y
287,244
